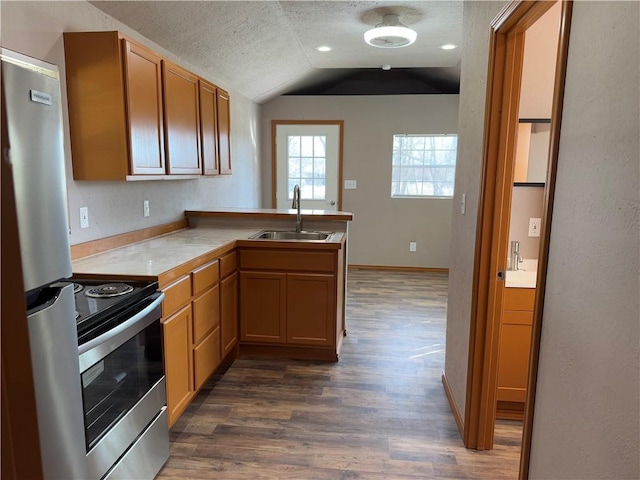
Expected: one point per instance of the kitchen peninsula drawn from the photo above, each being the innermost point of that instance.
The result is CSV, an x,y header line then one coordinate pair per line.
x,y
227,294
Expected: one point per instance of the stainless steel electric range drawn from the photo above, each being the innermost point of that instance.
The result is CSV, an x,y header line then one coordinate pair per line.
x,y
122,377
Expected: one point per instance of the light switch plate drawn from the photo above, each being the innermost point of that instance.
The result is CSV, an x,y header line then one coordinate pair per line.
x,y
350,185
534,227
145,208
84,217
463,203
413,246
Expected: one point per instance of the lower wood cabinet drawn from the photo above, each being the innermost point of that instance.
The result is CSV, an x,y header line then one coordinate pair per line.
x,y
263,306
229,313
289,300
198,310
206,357
178,364
515,346
311,309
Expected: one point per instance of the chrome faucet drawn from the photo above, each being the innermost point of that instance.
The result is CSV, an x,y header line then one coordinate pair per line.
x,y
515,258
296,205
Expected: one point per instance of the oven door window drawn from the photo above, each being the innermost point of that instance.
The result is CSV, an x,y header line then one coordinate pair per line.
x,y
111,387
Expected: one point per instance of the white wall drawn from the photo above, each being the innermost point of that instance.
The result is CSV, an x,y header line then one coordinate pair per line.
x,y
35,29
382,227
586,422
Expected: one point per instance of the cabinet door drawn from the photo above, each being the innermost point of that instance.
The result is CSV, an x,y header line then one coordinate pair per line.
x,y
144,110
206,313
224,132
263,307
513,363
311,309
206,358
182,120
209,129
229,313
177,362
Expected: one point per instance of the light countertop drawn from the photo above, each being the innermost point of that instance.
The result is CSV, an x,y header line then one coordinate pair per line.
x,y
158,255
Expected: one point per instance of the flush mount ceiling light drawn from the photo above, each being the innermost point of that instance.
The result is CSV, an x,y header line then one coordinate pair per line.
x,y
323,48
390,34
448,46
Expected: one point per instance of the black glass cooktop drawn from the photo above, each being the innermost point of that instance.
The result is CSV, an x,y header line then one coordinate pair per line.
x,y
91,310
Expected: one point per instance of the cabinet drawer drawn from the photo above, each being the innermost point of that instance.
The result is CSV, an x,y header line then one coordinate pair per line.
x,y
206,313
289,260
228,264
204,277
206,358
176,295
514,317
519,298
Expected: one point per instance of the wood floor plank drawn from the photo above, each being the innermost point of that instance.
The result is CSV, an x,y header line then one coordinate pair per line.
x,y
378,413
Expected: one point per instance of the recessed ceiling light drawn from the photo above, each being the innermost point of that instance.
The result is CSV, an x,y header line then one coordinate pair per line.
x,y
448,46
323,48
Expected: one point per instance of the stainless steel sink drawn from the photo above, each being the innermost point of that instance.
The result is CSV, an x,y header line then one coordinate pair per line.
x,y
290,235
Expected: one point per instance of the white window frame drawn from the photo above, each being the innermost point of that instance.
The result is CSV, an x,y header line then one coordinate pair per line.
x,y
424,162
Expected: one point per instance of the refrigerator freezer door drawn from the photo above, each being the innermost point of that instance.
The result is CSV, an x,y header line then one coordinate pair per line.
x,y
56,379
31,94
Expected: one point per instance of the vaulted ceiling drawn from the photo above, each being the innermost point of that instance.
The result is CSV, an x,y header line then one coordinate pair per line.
x,y
264,49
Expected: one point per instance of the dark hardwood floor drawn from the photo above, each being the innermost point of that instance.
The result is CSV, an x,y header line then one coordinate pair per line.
x,y
379,413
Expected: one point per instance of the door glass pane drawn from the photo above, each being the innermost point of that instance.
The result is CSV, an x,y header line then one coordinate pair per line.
x,y
306,165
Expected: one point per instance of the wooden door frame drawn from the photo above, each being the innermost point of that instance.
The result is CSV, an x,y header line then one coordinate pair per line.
x,y
274,154
503,85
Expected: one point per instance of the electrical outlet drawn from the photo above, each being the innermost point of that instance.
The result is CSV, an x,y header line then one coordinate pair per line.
x,y
145,206
350,185
84,217
534,227
413,246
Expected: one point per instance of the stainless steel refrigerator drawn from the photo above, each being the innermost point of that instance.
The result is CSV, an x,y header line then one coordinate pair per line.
x,y
31,99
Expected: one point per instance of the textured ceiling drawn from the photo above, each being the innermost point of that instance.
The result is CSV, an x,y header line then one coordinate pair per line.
x,y
263,49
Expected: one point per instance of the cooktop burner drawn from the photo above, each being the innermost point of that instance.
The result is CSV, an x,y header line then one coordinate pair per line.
x,y
109,290
98,300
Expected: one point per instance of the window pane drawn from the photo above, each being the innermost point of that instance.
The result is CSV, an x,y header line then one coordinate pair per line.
x,y
319,166
306,189
294,145
320,146
319,189
292,183
294,167
306,146
423,165
306,167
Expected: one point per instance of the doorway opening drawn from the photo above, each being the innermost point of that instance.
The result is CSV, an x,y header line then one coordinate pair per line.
x,y
495,315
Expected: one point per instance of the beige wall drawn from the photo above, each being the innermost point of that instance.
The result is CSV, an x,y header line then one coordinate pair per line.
x,y
35,29
586,422
539,66
382,227
526,203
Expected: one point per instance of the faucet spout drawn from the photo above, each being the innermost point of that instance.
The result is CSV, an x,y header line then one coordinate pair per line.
x,y
296,205
515,257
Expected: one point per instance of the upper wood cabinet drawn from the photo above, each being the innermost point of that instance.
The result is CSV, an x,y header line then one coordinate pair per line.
x,y
134,115
182,120
224,131
209,128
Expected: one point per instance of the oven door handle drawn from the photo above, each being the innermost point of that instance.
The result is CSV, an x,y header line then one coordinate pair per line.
x,y
98,348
